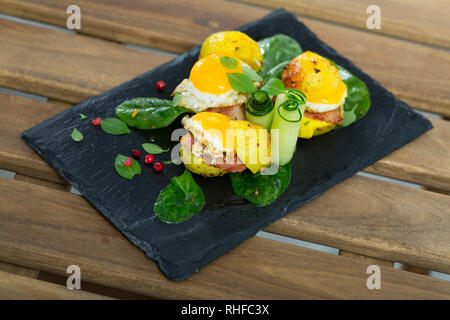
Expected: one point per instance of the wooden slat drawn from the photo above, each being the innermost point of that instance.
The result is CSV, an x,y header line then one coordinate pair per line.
x,y
14,287
422,21
418,74
50,229
425,161
63,66
18,270
369,260
377,219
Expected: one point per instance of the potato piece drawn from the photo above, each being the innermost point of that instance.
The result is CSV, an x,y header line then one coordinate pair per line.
x,y
252,144
198,166
235,43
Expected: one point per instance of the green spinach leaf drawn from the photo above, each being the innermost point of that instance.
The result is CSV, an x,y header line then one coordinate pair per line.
x,y
180,200
278,51
148,113
127,172
261,190
114,126
357,102
153,148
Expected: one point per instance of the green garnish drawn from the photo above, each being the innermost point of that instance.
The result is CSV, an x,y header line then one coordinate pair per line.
x,y
240,82
127,172
229,62
82,116
252,74
274,87
149,113
278,51
180,200
114,126
261,190
176,99
76,135
153,148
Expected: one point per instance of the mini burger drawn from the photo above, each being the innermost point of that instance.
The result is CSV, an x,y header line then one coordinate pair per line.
x,y
216,145
325,92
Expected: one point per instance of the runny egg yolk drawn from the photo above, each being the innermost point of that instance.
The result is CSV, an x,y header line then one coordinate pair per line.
x,y
215,124
318,78
210,75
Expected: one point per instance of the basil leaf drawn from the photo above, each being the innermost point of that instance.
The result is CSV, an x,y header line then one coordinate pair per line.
x,y
114,126
261,190
278,51
241,83
82,116
229,62
252,74
77,136
148,113
180,200
124,171
274,87
357,102
153,148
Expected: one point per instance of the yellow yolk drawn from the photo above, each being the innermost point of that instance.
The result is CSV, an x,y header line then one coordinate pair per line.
x,y
210,75
318,78
215,124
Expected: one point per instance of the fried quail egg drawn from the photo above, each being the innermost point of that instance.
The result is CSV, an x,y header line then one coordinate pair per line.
x,y
208,85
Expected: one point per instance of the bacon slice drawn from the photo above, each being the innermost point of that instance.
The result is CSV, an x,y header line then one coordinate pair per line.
x,y
333,116
236,112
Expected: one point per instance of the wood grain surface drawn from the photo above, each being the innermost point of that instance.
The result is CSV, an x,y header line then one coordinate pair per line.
x,y
50,230
18,270
64,66
14,287
424,161
416,20
416,73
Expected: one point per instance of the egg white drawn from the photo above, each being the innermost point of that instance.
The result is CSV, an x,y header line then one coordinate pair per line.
x,y
322,107
205,143
192,98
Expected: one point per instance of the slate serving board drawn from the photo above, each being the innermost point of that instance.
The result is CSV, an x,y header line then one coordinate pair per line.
x,y
226,220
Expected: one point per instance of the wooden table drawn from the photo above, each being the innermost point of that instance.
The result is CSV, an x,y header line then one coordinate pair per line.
x,y
45,228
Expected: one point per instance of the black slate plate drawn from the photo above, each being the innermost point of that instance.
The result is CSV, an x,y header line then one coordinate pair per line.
x,y
226,220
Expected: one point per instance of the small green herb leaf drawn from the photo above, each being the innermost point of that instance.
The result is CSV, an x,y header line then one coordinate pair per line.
x,y
229,62
261,190
149,113
251,74
180,200
114,126
124,171
77,136
274,87
241,83
153,148
82,116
